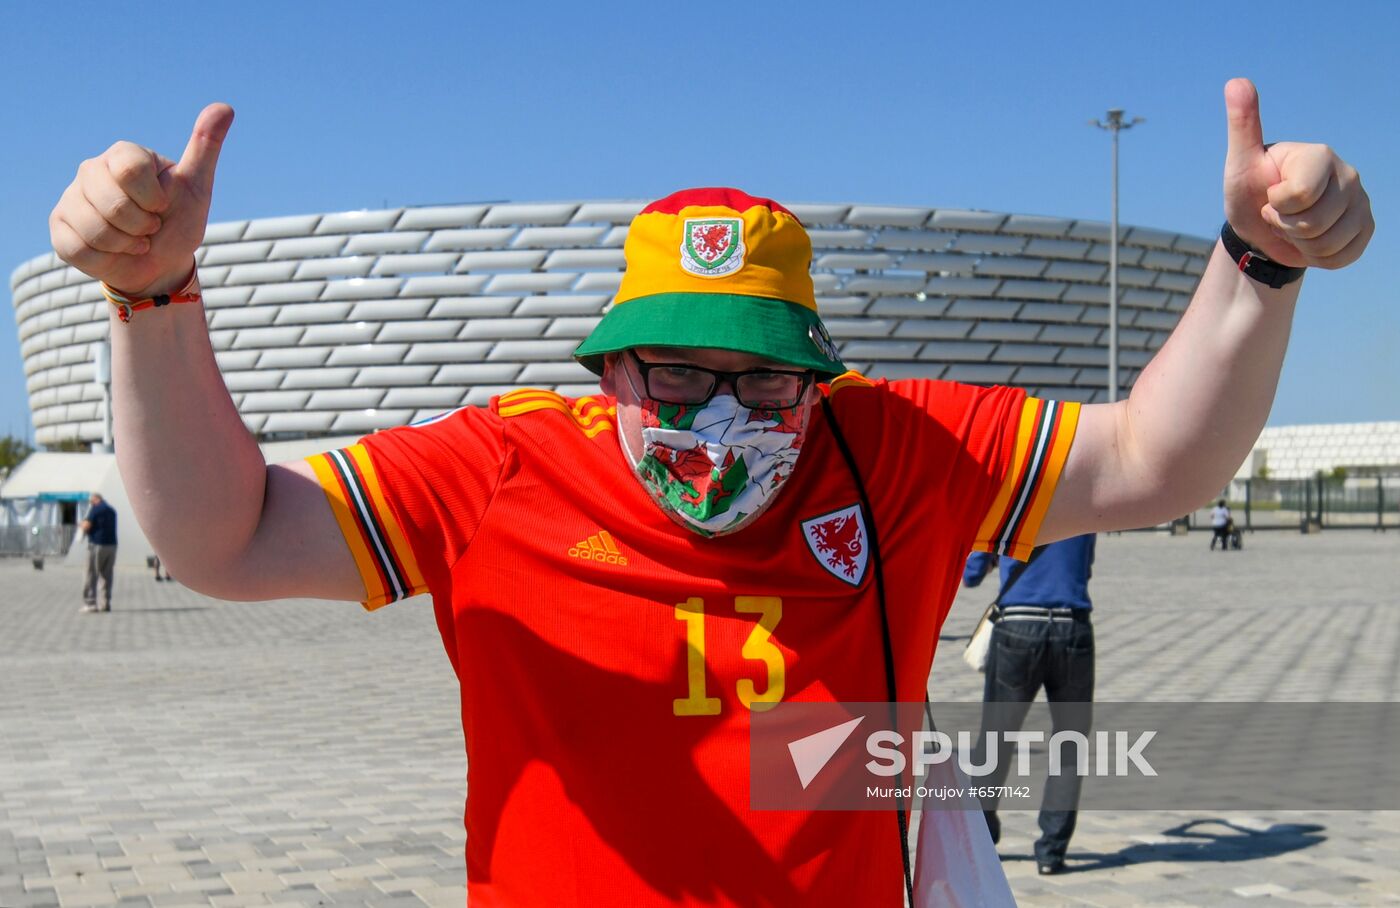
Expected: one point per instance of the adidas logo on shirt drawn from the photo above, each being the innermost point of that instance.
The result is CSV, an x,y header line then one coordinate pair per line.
x,y
599,547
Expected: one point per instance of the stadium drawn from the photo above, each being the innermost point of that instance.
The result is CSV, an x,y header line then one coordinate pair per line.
x,y
329,326
338,324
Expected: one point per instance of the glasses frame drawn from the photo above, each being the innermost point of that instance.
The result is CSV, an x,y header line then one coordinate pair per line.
x,y
807,376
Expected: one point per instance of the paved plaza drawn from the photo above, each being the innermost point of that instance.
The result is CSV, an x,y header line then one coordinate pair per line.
x,y
185,751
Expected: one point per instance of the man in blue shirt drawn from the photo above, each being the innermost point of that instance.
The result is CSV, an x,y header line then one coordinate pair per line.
x,y
1042,638
101,529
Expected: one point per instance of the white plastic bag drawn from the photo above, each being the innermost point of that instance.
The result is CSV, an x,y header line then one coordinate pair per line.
x,y
975,653
957,864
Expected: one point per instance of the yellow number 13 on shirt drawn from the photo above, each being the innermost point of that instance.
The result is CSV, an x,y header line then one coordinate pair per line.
x,y
758,647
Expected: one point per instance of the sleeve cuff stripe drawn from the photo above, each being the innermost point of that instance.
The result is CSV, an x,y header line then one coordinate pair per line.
x,y
992,523
376,590
994,527
1030,476
1066,421
396,585
1043,440
401,553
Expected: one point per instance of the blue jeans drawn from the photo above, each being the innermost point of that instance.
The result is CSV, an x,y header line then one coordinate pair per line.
x,y
1026,655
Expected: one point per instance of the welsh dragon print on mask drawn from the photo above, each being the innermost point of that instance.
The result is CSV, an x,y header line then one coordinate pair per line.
x,y
714,467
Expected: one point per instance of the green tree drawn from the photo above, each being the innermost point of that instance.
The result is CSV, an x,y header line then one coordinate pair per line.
x,y
70,446
13,450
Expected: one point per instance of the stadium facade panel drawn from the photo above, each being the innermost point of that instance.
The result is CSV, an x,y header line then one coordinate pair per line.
x,y
1301,452
343,323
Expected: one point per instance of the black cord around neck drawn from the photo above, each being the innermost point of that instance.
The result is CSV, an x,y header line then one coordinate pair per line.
x,y
886,640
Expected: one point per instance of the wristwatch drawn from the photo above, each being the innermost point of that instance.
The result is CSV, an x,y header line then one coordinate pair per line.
x,y
1255,264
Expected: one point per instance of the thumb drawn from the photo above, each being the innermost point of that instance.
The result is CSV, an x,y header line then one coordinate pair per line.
x,y
201,155
1246,135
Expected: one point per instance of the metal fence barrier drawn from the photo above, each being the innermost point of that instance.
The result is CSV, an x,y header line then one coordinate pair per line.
x,y
1308,505
36,542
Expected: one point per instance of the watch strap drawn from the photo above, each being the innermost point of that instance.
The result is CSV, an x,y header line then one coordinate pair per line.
x,y
1254,264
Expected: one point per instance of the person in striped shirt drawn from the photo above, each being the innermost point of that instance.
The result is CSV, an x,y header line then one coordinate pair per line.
x,y
622,580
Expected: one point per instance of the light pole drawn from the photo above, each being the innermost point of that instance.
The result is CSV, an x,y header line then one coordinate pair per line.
x,y
102,376
1115,125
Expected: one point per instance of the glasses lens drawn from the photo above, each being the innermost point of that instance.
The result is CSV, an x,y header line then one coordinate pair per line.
x,y
768,390
678,384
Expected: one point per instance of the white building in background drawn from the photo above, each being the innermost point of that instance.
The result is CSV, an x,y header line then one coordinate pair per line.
x,y
1362,449
328,326
332,325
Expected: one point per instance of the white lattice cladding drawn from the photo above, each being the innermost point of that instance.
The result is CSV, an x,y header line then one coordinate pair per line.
x,y
349,322
1299,452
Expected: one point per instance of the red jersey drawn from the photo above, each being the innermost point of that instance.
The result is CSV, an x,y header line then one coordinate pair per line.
x,y
609,659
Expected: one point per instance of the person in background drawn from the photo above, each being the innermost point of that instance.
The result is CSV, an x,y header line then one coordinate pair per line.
x,y
153,561
1042,638
1222,523
100,527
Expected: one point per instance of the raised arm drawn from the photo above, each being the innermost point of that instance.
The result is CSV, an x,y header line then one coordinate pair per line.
x,y
1199,406
219,517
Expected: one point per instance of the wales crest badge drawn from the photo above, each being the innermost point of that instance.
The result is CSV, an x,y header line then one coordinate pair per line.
x,y
712,247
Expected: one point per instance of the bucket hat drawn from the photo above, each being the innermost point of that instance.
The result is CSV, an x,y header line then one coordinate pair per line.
x,y
716,268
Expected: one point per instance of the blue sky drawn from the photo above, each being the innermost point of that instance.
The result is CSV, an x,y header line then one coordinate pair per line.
x,y
362,105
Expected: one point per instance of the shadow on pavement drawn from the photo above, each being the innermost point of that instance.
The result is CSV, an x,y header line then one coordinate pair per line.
x,y
1240,843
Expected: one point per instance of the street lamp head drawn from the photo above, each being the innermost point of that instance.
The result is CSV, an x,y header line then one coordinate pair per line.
x,y
1115,122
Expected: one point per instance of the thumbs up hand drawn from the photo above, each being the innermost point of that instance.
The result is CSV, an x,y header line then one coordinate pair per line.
x,y
133,218
1299,204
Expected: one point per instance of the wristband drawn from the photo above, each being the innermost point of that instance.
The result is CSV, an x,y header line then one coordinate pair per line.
x,y
1255,264
126,305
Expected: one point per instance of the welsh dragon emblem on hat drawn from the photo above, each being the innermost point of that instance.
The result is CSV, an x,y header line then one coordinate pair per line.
x,y
712,247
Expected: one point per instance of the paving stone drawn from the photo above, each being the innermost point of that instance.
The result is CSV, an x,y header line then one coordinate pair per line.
x,y
216,885
142,890
441,896
251,882
40,898
179,900
238,900
362,872
162,873
400,884
86,897
306,878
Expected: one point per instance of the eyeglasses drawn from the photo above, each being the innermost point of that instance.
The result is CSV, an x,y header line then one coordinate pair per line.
x,y
757,389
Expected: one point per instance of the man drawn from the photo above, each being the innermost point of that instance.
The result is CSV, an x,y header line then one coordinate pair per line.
x,y
1042,638
621,579
1222,523
154,562
100,527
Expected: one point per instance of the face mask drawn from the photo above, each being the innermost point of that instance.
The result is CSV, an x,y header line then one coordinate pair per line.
x,y
715,467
